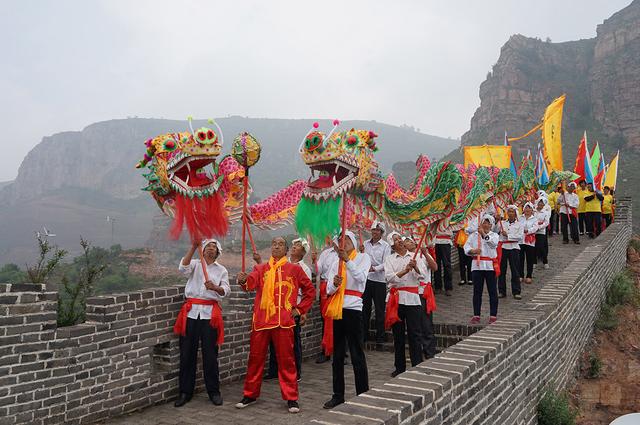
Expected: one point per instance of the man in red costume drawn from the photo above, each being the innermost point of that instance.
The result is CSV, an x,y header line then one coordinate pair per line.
x,y
274,312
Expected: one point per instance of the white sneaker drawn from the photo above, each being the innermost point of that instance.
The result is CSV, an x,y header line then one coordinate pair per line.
x,y
546,266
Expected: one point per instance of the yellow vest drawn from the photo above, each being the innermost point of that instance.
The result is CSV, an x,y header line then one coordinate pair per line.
x,y
607,204
581,195
592,205
553,199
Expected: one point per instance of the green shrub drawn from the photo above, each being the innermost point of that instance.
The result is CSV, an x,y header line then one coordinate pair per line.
x,y
635,244
622,290
595,366
554,409
607,319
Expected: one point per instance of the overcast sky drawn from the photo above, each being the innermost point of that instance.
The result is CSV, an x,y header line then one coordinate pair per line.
x,y
67,64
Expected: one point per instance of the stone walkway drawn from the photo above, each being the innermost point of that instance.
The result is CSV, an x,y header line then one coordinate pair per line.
x,y
315,387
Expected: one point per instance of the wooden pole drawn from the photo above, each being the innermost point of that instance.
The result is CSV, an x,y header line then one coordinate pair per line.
x,y
245,182
203,263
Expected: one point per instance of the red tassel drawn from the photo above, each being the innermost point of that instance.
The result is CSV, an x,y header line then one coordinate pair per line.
x,y
204,218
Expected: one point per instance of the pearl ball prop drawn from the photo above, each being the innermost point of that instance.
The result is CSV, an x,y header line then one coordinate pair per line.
x,y
246,149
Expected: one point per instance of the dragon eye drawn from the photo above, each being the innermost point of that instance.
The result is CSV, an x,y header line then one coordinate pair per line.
x,y
169,145
210,134
314,142
201,135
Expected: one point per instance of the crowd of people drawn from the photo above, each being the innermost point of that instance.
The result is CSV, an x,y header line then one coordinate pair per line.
x,y
388,275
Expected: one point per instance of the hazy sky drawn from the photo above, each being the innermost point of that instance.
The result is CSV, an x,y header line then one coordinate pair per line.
x,y
67,64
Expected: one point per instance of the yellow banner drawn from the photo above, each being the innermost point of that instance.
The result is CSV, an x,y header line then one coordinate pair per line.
x,y
612,172
488,156
552,134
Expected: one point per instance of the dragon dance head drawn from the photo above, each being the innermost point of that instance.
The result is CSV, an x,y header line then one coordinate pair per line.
x,y
340,162
184,180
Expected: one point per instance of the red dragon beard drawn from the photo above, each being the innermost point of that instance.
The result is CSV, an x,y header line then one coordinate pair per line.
x,y
204,217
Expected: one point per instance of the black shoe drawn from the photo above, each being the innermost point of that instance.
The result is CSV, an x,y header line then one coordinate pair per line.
x,y
332,403
462,282
269,376
576,242
502,295
216,399
292,406
448,292
395,373
565,242
246,401
469,282
182,399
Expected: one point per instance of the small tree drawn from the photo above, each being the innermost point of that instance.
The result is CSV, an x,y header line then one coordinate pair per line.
x,y
48,260
72,303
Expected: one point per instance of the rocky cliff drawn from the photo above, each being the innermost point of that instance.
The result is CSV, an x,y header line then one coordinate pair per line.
x,y
601,77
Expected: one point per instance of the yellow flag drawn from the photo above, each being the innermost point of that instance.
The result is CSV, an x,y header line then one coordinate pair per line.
x,y
488,156
552,134
612,172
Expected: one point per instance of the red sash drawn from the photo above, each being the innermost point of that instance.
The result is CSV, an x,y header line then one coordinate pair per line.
x,y
391,315
530,238
327,335
180,328
429,296
496,261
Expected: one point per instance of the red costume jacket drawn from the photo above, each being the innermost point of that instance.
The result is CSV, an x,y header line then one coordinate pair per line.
x,y
285,296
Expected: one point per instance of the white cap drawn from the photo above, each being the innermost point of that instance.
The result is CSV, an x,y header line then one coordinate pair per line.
x,y
348,234
489,218
530,205
303,242
214,241
378,225
391,235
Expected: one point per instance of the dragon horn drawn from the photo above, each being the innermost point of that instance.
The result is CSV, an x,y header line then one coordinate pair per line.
x,y
214,122
189,119
336,123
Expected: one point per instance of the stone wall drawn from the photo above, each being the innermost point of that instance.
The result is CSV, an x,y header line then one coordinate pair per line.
x,y
123,358
498,374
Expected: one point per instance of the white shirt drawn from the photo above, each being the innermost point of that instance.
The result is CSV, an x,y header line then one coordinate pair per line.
x,y
543,220
488,246
357,270
377,252
529,226
307,271
444,238
569,199
394,264
427,278
514,231
195,286
325,260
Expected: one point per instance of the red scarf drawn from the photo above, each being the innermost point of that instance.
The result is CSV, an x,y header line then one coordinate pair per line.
x,y
430,297
391,315
180,328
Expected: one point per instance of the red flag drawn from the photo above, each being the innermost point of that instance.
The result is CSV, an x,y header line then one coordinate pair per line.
x,y
580,159
598,180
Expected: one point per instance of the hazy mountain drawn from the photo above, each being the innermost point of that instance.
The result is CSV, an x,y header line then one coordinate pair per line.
x,y
71,181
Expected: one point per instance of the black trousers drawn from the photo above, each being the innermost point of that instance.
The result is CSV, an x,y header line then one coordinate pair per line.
x,y
297,353
443,259
607,219
566,222
594,223
542,248
375,292
410,319
199,330
528,255
554,223
479,279
348,330
428,338
464,261
510,257
582,222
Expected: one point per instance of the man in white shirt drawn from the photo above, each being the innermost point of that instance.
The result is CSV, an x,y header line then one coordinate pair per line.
x,y
299,248
377,250
326,258
510,232
482,246
443,242
569,203
345,285
200,320
404,309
